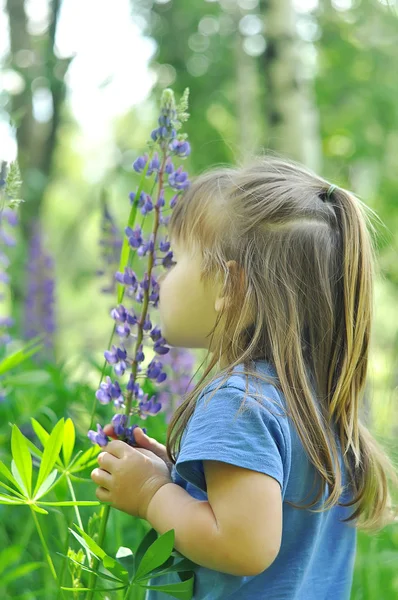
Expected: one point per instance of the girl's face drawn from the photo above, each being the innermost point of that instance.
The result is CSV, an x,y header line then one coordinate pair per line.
x,y
188,312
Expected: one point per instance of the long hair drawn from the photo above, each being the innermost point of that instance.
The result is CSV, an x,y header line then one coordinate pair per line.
x,y
306,267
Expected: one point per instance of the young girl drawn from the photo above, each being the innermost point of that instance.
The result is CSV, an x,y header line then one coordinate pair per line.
x,y
269,470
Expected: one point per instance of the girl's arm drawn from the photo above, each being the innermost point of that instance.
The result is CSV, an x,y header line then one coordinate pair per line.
x,y
238,531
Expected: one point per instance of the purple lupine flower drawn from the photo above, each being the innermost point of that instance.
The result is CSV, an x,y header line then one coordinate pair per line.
x,y
7,218
98,437
134,236
173,201
155,164
127,278
145,289
150,407
109,391
39,301
180,148
164,246
169,167
117,357
141,199
148,205
180,366
140,162
159,346
119,423
178,179
155,371
140,356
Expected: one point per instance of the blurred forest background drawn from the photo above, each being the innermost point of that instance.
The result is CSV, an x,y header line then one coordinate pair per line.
x,y
80,83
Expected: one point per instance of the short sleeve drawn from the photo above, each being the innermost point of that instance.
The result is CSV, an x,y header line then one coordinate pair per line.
x,y
252,438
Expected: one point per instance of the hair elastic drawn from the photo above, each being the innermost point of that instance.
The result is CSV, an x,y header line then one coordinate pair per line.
x,y
331,190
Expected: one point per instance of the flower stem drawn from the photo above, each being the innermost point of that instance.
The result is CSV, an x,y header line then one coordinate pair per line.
x,y
44,544
129,395
77,513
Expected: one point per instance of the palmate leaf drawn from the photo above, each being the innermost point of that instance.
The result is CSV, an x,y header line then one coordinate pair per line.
x,y
22,459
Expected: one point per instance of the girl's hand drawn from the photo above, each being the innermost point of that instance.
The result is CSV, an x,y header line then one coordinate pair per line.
x,y
143,441
128,477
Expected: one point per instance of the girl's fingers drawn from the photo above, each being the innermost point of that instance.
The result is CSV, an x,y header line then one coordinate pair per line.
x,y
108,430
107,461
102,494
102,478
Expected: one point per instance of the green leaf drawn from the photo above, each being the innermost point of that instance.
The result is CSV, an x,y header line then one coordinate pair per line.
x,y
181,566
16,358
6,499
122,587
41,433
10,489
156,554
27,378
37,508
34,450
69,441
20,571
18,479
150,537
47,483
126,559
4,471
72,503
8,556
111,564
51,453
83,543
22,458
183,590
87,459
86,568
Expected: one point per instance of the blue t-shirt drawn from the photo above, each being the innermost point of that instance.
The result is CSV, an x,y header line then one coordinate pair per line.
x,y
317,553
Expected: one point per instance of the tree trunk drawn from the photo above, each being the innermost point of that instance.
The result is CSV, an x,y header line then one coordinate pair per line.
x,y
291,112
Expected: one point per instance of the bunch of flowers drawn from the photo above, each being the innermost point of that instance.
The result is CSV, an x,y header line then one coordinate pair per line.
x,y
135,327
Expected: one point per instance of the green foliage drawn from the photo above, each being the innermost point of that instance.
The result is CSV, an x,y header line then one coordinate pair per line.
x,y
154,557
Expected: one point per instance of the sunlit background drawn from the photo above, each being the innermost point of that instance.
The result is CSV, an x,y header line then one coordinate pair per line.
x,y
80,82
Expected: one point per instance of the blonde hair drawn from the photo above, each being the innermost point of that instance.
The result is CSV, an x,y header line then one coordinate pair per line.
x,y
308,262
